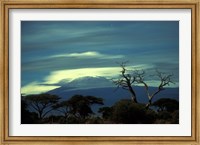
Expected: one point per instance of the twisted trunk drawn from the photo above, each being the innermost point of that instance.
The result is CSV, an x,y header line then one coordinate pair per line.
x,y
133,95
149,103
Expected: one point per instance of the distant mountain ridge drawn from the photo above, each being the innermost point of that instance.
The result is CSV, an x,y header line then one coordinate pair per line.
x,y
90,82
84,83
102,87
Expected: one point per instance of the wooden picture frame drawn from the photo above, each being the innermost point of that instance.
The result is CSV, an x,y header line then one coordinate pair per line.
x,y
194,139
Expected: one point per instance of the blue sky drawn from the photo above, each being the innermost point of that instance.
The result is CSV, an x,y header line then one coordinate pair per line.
x,y
55,50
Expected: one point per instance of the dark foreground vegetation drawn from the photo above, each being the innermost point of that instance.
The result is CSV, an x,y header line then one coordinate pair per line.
x,y
48,109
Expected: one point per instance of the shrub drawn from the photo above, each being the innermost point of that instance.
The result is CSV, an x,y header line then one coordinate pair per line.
x,y
167,104
127,112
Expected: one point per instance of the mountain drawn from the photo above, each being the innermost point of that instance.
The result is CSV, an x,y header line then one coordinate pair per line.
x,y
90,82
82,83
102,87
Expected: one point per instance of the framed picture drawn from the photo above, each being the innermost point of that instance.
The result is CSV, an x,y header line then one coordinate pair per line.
x,y
104,72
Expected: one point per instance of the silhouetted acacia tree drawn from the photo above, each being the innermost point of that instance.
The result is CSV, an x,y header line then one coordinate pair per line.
x,y
166,104
63,108
78,106
27,117
42,103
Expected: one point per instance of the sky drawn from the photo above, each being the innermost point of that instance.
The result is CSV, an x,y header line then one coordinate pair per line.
x,y
52,51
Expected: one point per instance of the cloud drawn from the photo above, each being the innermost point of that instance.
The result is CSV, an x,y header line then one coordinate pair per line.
x,y
53,79
36,88
52,51
88,54
108,72
156,83
71,74
56,76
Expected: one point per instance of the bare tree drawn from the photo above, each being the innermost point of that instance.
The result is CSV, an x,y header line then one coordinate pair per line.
x,y
165,79
126,82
